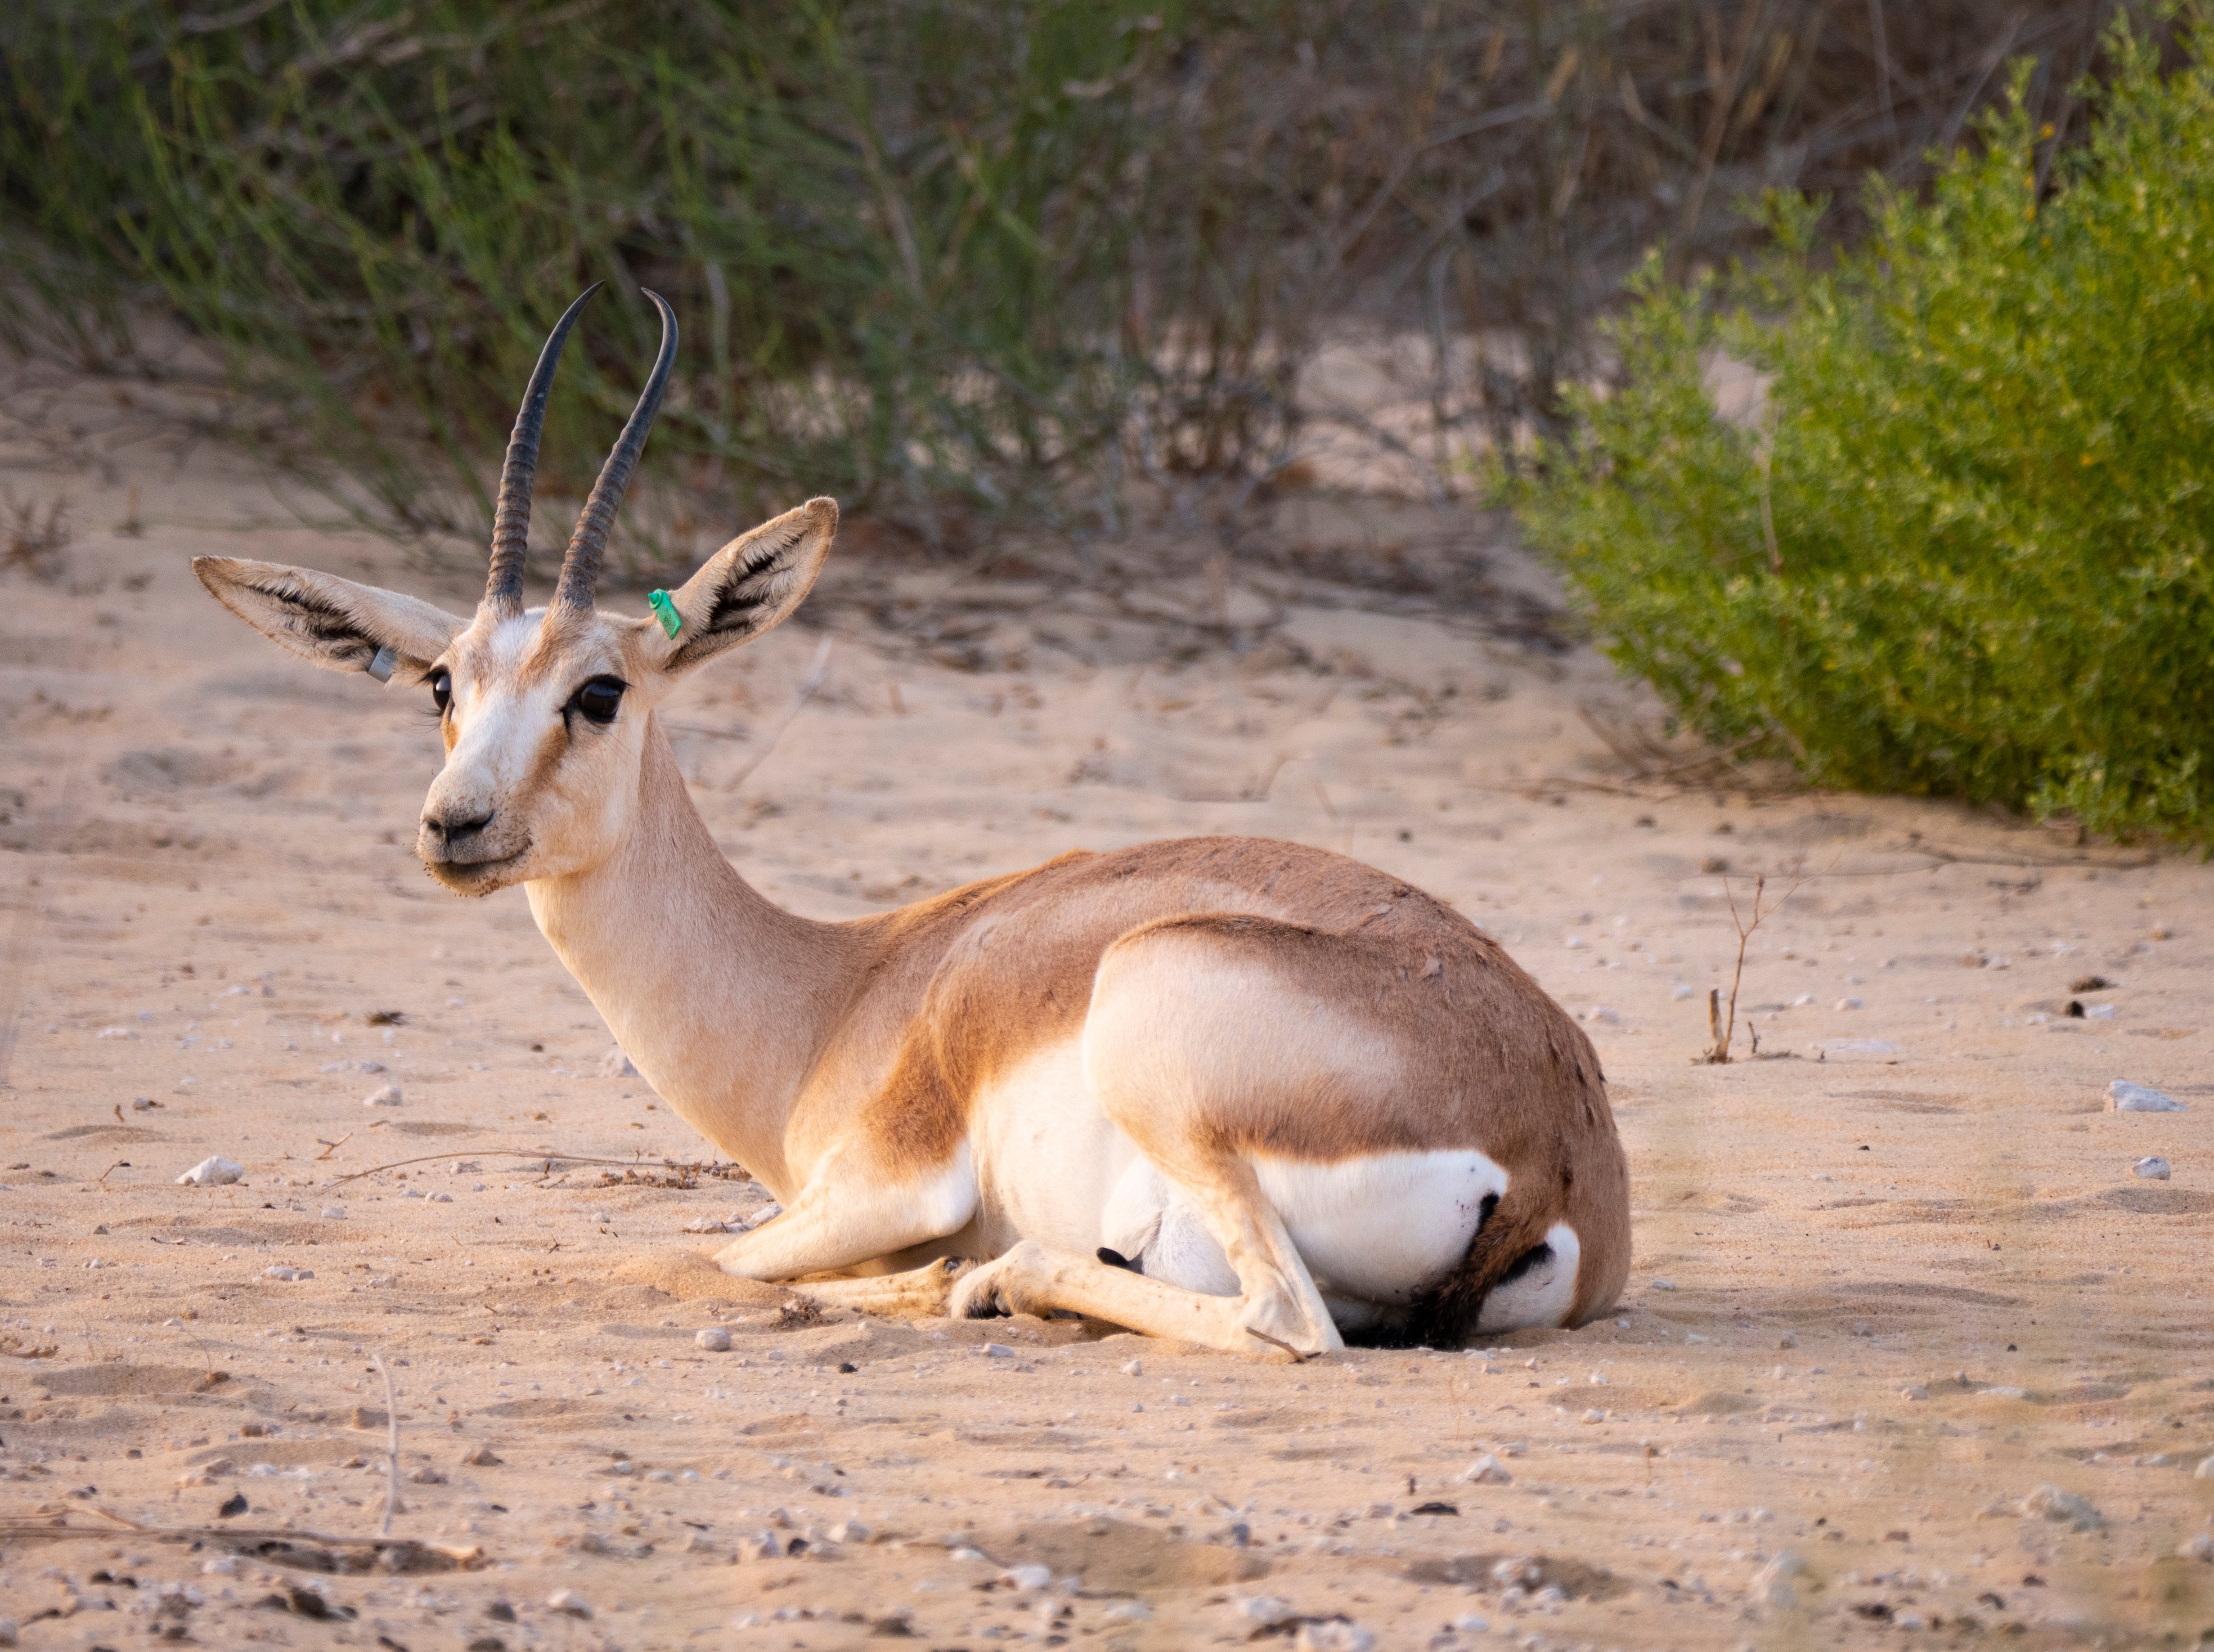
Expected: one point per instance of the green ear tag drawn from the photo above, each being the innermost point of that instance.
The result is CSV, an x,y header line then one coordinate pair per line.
x,y
665,611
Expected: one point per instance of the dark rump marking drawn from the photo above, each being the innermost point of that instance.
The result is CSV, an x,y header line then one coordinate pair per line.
x,y
1116,1260
1522,1265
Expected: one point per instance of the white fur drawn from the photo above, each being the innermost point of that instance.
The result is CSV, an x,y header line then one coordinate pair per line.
x,y
1542,1296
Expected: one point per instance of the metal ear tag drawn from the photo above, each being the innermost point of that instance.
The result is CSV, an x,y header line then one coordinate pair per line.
x,y
381,664
665,611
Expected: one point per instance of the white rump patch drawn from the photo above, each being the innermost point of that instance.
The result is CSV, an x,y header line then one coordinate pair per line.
x,y
1378,1229
1384,1227
1541,1295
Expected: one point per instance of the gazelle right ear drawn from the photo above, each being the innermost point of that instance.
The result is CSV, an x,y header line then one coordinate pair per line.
x,y
749,585
328,621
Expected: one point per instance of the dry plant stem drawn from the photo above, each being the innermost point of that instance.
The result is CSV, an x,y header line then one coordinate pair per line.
x,y
693,1166
1722,1029
391,1443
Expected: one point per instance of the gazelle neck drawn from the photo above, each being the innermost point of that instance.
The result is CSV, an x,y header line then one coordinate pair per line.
x,y
722,999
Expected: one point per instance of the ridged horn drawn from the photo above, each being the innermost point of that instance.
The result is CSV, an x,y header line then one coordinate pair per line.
x,y
511,516
580,569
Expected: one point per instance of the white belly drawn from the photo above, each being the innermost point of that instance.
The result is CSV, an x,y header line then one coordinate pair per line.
x,y
1047,1157
1374,1231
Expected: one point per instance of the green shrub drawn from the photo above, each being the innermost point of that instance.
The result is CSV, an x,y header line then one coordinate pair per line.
x,y
1964,549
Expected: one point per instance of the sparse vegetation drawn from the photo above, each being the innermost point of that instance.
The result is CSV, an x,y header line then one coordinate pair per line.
x,y
1966,545
938,259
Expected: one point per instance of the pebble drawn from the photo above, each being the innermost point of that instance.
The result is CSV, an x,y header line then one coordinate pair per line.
x,y
2205,1471
1485,1470
2063,1506
1327,1635
2200,1547
1134,1367
214,1170
714,1339
1772,1585
706,1224
428,1476
1663,1284
1848,1003
2129,1097
998,1351
1472,1623
1027,1578
1265,1610
442,1198
616,1065
1604,1016
849,1531
288,1275
482,1457
1128,1612
385,1095
2150,1170
334,1213
568,1601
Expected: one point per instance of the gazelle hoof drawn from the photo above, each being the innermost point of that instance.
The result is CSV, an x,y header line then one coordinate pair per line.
x,y
1004,1286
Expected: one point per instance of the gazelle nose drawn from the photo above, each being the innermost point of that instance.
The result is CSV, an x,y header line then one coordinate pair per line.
x,y
453,829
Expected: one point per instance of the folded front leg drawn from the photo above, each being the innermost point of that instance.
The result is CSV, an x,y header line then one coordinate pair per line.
x,y
850,1212
918,1294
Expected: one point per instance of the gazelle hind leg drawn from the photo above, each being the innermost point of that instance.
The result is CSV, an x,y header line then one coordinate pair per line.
x,y
1277,1310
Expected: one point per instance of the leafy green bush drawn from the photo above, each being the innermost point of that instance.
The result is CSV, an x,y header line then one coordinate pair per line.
x,y
1964,546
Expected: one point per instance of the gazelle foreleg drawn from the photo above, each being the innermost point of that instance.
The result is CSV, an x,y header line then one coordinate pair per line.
x,y
918,1294
851,1212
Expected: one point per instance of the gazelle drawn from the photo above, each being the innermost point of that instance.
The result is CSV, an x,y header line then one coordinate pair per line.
x,y
1242,1092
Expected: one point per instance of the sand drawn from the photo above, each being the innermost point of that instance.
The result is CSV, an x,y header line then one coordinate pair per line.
x,y
1888,1283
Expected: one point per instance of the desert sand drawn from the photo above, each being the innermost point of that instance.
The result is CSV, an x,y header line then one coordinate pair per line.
x,y
1908,1355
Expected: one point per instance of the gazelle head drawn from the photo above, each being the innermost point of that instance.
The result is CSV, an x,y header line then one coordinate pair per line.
x,y
544,710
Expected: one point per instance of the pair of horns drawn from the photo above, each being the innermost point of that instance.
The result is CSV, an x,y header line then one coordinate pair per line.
x,y
588,545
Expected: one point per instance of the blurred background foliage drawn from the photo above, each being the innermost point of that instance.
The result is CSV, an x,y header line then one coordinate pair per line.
x,y
939,257
962,260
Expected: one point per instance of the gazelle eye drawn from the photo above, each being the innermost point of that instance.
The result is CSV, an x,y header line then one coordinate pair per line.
x,y
441,690
599,698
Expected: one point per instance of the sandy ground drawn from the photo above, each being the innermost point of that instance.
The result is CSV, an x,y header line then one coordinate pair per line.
x,y
1888,1284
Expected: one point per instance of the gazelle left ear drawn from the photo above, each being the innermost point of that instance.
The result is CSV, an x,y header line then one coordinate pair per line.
x,y
331,622
748,586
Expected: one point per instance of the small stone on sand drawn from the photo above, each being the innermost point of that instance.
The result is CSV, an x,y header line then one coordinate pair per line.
x,y
288,1275
2150,1170
2129,1097
568,1601
1485,1470
1772,1585
385,1096
1848,1003
1265,1610
714,1339
2205,1471
214,1170
482,1457
334,1213
2200,1547
2066,1508
616,1065
1027,1578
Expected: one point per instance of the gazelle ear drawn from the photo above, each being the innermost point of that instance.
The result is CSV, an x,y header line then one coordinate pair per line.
x,y
331,622
750,585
